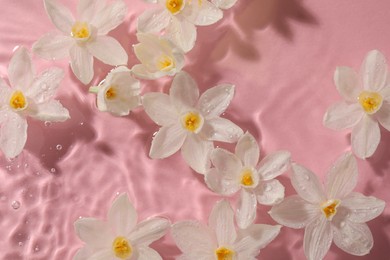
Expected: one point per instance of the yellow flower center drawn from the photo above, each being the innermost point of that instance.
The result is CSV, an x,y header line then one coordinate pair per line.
x,y
122,248
111,93
192,122
18,100
174,6
224,253
246,178
165,63
329,208
80,30
370,101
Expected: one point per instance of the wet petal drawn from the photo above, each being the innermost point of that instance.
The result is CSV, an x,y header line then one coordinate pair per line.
x,y
318,238
362,208
221,130
307,184
342,177
87,9
226,162
374,71
159,108
45,85
60,16
167,141
274,164
246,209
215,100
153,21
81,62
149,231
122,216
203,13
146,253
182,33
221,220
13,135
248,150
347,83
108,50
142,72
95,233
354,238
20,69
342,115
224,4
294,212
53,46
51,111
221,184
365,137
270,192
109,17
184,91
195,152
383,115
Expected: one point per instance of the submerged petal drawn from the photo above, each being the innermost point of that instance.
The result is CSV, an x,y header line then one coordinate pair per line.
x,y
354,238
122,216
365,137
318,238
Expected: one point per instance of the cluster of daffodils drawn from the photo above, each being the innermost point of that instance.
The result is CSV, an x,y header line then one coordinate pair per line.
x,y
191,122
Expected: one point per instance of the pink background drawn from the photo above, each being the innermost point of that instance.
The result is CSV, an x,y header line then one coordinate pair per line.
x,y
280,54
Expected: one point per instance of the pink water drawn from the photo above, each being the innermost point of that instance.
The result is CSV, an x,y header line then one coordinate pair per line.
x,y
281,56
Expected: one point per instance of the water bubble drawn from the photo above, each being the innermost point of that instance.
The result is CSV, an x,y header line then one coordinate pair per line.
x,y
59,147
20,243
53,170
36,249
15,204
81,123
268,188
47,123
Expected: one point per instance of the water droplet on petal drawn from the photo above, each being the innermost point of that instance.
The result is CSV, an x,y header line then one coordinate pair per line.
x,y
47,123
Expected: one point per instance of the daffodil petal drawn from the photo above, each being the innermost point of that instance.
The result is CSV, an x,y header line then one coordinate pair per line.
x,y
196,256
102,255
221,220
20,69
248,150
52,46
184,91
203,13
222,130
274,164
147,253
167,141
108,50
365,137
342,177
13,135
307,184
153,20
342,115
95,233
255,237
215,100
374,71
246,209
294,212
347,83
195,152
200,236
318,238
142,72
87,9
122,216
182,33
81,62
149,231
363,208
224,4
82,254
270,192
226,162
51,111
218,183
60,16
5,92
383,115
354,238
45,85
159,108
109,17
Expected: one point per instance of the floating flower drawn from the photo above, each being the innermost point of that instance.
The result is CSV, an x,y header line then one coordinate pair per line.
x,y
364,106
121,237
189,123
158,56
239,171
178,18
118,93
84,38
29,96
220,240
335,213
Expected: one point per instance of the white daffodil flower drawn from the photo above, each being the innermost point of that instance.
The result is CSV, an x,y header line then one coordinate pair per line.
x,y
83,38
158,56
121,237
29,96
118,93
331,214
189,123
220,240
178,19
365,104
239,171
224,4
